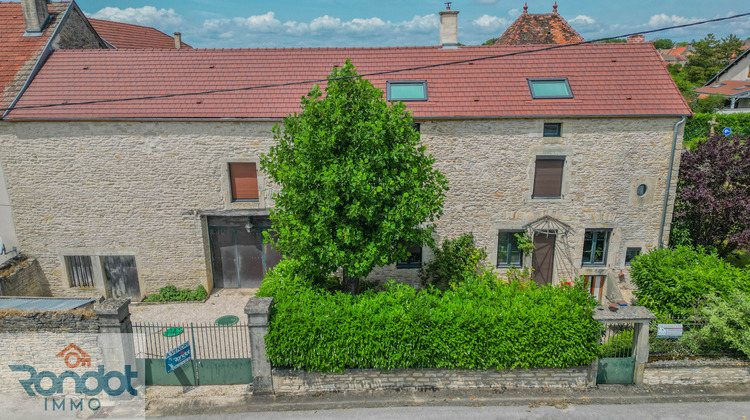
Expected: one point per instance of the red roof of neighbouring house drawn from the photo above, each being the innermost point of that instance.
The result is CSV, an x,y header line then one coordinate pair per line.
x,y
129,36
606,79
726,88
19,54
539,28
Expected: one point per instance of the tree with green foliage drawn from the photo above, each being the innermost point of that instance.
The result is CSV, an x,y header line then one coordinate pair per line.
x,y
357,186
663,43
710,55
713,194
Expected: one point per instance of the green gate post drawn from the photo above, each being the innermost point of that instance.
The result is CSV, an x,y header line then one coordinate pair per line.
x,y
258,311
641,318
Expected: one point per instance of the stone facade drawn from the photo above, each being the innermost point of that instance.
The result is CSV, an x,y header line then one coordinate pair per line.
x,y
144,188
697,372
22,277
286,381
79,321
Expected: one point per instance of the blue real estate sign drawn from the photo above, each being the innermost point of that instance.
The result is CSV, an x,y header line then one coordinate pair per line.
x,y
178,356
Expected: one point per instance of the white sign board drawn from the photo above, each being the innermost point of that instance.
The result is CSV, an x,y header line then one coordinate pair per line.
x,y
669,331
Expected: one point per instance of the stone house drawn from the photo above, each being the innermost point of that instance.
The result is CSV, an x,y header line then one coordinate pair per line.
x,y
30,30
160,184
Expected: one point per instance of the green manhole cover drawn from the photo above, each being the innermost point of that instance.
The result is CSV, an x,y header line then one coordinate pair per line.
x,y
227,320
173,332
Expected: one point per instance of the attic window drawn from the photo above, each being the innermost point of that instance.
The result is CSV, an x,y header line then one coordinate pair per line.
x,y
407,91
550,89
742,87
718,85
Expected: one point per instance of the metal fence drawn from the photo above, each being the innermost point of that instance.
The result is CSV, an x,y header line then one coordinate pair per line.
x,y
689,345
208,341
618,339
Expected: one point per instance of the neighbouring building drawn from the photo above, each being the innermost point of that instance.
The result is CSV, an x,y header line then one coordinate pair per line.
x,y
732,82
128,36
539,28
122,197
29,31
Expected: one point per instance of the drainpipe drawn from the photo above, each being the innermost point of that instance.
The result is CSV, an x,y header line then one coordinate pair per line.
x,y
669,182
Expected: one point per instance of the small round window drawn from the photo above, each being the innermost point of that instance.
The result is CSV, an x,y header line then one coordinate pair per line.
x,y
641,190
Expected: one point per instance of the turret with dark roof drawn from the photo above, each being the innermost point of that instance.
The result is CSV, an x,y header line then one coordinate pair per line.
x,y
539,28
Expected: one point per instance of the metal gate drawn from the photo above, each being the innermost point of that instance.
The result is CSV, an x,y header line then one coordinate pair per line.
x,y
220,354
617,365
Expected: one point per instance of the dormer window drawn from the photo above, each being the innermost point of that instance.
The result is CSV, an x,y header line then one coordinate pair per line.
x,y
550,89
407,91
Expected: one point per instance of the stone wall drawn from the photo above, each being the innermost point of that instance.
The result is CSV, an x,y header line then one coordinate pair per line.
x,y
697,372
140,188
22,277
77,33
286,381
79,321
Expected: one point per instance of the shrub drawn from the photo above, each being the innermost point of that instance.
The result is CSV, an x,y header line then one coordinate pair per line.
x,y
455,260
481,323
675,281
170,293
728,322
698,128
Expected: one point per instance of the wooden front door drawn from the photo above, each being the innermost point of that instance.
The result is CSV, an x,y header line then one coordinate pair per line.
x,y
543,261
121,276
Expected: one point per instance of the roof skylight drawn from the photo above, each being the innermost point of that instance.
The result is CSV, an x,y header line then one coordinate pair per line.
x,y
406,91
550,89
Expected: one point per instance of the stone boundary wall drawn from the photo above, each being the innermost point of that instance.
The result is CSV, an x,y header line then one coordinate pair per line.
x,y
50,322
22,277
697,372
288,381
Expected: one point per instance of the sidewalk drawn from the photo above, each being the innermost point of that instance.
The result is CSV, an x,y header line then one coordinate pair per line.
x,y
176,401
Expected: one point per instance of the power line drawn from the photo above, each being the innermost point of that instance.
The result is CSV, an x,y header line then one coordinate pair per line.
x,y
377,73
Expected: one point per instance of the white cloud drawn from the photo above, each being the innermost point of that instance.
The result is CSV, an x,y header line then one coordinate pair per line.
x,y
426,23
491,23
582,20
146,16
665,20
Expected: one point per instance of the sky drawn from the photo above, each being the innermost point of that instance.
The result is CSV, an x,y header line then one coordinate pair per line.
x,y
359,23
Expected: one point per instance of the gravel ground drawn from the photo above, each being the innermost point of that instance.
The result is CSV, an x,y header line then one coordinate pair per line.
x,y
221,302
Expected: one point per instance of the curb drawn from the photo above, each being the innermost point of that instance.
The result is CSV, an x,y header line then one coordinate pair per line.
x,y
613,394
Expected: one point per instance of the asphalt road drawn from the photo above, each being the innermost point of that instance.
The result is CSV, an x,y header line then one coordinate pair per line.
x,y
687,410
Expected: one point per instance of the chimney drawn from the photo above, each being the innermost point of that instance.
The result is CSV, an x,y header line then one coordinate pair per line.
x,y
449,27
178,40
35,14
636,39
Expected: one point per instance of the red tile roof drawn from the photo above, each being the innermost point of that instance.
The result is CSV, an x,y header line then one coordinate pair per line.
x,y
542,28
606,79
129,36
727,88
19,54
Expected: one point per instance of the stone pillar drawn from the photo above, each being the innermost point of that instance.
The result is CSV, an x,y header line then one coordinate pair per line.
x,y
258,311
114,316
641,318
116,336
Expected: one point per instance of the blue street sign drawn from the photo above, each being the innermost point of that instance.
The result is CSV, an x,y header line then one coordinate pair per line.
x,y
178,356
727,131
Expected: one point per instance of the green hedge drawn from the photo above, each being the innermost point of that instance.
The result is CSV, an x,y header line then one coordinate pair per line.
x,y
482,323
673,282
698,128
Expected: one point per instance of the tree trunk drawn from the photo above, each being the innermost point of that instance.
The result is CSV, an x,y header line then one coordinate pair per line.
x,y
350,284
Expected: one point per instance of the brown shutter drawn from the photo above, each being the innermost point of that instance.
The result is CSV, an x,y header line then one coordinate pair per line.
x,y
244,178
548,177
